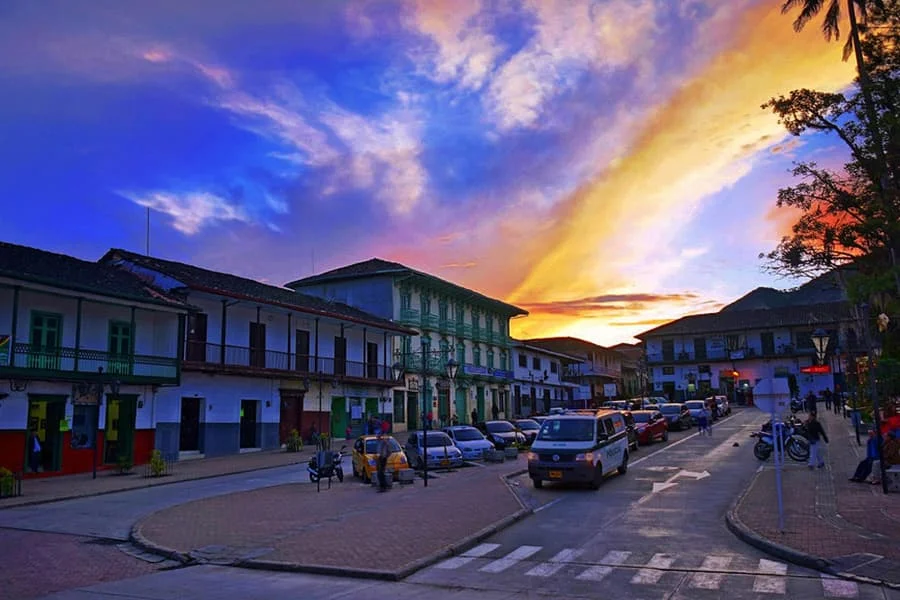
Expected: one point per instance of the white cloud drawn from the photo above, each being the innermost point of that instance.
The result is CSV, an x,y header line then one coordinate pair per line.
x,y
190,211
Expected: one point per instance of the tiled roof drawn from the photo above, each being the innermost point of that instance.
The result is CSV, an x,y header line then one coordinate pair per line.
x,y
377,267
67,272
567,345
744,320
200,279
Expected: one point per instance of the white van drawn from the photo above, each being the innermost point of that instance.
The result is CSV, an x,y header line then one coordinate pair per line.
x,y
579,446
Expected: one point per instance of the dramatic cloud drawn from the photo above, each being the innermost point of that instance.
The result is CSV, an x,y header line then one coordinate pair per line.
x,y
192,210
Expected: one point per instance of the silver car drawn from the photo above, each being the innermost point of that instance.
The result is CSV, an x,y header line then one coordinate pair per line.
x,y
469,440
441,450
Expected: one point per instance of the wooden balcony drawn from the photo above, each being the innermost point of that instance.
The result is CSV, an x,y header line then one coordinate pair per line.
x,y
34,362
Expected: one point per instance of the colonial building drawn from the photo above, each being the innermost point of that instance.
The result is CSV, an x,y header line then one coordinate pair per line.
x,y
598,372
539,384
88,351
635,377
767,333
450,321
261,361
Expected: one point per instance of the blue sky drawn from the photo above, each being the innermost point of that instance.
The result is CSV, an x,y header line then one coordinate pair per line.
x,y
604,164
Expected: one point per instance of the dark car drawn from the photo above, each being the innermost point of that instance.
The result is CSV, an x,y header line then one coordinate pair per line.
x,y
678,415
501,433
631,429
651,425
529,427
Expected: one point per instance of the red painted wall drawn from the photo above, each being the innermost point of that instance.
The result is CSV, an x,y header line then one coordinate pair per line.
x,y
144,442
12,450
322,421
80,460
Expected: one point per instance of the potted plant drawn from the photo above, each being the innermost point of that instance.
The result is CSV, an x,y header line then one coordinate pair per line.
x,y
157,464
7,483
124,464
294,442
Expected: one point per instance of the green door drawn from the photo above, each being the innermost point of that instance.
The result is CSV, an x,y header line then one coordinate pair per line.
x,y
44,341
120,344
460,406
479,406
338,417
412,411
121,414
372,408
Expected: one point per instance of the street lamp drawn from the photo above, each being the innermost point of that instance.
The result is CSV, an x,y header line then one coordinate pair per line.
x,y
820,341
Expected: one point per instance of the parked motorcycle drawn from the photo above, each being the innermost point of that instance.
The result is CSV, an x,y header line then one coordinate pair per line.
x,y
795,445
326,464
796,405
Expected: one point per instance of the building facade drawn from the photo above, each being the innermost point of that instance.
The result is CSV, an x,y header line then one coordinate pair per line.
x,y
450,321
597,374
88,352
538,380
261,362
635,375
762,335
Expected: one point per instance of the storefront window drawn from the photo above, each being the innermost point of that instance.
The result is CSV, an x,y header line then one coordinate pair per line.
x,y
84,425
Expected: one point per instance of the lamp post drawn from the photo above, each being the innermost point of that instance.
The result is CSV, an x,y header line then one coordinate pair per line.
x,y
820,340
451,367
98,389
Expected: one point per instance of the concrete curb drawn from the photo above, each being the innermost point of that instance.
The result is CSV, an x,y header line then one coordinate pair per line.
x,y
138,539
154,482
810,561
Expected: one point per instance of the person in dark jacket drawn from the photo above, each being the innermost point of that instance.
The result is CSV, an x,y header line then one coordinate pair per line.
x,y
864,468
810,402
815,433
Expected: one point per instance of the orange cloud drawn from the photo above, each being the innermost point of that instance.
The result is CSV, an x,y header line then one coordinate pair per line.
x,y
619,233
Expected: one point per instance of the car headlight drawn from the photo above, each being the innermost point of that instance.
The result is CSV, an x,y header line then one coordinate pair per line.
x,y
402,459
587,457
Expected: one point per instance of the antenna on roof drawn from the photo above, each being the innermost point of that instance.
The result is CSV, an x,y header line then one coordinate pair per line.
x,y
148,232
313,261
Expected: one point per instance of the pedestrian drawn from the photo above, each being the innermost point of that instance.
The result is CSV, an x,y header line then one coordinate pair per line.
x,y
815,433
35,454
702,422
385,427
495,412
810,402
827,395
864,468
474,416
384,452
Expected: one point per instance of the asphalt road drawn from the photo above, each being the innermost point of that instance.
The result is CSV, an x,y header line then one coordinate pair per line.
x,y
623,541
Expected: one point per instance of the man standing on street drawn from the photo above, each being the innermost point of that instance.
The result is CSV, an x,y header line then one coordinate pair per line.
x,y
384,451
815,433
474,416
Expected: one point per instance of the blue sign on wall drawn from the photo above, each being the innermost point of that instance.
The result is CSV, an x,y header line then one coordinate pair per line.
x,y
473,370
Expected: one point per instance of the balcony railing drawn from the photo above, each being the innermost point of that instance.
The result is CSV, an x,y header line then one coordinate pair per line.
x,y
574,372
31,361
409,316
746,353
429,321
216,355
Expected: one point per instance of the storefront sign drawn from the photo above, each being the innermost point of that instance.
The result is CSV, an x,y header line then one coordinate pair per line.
x,y
473,370
816,369
5,343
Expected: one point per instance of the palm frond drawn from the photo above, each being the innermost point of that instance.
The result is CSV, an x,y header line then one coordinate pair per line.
x,y
848,48
808,10
831,24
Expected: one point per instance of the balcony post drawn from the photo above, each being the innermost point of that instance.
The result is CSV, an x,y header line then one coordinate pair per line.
x,y
289,342
317,364
132,344
179,353
15,322
365,352
77,334
384,354
222,333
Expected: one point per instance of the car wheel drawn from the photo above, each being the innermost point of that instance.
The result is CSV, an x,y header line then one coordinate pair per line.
x,y
623,468
538,483
598,477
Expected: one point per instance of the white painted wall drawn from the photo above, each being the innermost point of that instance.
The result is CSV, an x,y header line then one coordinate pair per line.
x,y
222,396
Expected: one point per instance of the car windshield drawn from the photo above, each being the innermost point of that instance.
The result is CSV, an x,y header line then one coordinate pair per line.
x,y
436,439
500,427
567,430
641,417
694,404
468,435
670,408
372,446
528,424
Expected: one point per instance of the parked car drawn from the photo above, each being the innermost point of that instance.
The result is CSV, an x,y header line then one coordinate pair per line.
x,y
502,433
722,403
469,440
631,429
677,415
539,418
650,425
651,406
617,405
529,427
441,451
365,457
696,408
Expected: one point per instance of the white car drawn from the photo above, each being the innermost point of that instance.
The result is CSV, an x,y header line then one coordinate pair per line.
x,y
469,440
696,407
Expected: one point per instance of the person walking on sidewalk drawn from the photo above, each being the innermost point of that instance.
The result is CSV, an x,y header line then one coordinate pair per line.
x,y
384,452
827,395
864,468
815,433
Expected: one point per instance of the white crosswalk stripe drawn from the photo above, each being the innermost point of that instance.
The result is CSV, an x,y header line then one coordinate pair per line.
x,y
610,562
653,572
772,579
502,564
467,556
555,564
839,588
712,580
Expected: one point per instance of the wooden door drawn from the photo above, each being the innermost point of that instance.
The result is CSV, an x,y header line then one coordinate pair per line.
x,y
257,344
291,415
301,350
248,424
372,360
189,436
196,338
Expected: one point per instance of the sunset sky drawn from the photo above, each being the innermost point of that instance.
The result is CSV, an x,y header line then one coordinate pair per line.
x,y
605,165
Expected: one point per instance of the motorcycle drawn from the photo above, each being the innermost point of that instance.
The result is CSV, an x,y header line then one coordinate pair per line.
x,y
795,445
326,464
796,405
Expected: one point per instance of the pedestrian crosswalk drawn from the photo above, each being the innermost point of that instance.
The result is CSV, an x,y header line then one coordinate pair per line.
x,y
769,577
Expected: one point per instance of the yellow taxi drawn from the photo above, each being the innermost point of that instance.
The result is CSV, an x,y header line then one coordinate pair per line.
x,y
365,457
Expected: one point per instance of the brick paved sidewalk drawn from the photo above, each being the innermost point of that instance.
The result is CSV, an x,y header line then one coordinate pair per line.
x,y
830,523
349,529
51,489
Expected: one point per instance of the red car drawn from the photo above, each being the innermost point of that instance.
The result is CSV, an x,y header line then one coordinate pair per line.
x,y
651,426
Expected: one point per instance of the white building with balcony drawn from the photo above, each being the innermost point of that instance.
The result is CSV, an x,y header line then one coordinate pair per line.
x,y
538,382
597,374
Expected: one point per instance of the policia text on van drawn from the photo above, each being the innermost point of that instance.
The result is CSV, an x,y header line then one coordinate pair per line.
x,y
579,446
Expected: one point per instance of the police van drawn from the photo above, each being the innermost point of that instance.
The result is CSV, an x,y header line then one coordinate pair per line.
x,y
579,446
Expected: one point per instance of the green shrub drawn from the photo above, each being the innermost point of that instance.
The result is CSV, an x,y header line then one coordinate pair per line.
x,y
294,442
124,464
7,482
157,464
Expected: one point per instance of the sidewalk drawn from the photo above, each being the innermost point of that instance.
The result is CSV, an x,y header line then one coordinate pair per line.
x,y
64,487
831,524
347,530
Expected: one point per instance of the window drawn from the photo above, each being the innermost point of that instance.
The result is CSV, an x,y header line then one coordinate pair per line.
x,y
489,323
476,320
301,349
767,340
461,354
405,300
399,407
476,356
503,361
119,346
668,370
490,359
554,367
700,348
460,315
443,310
426,306
445,351
257,344
668,349
46,333
340,355
536,363
733,342
523,360
84,425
